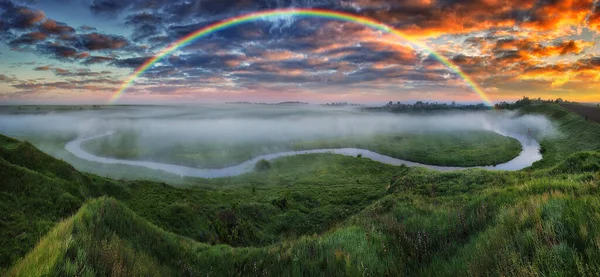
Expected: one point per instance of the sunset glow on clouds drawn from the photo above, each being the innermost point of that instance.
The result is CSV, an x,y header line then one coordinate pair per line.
x,y
80,51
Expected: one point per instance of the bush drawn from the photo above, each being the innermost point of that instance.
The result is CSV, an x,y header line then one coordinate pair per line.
x,y
542,149
262,165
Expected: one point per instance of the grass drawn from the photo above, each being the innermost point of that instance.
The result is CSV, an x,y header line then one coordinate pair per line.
x,y
465,148
576,134
309,215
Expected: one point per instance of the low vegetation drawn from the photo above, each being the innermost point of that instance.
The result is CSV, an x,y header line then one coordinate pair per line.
x,y
462,148
262,165
576,134
310,215
459,148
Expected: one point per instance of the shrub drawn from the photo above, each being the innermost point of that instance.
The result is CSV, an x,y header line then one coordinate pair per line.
x,y
281,203
262,165
542,149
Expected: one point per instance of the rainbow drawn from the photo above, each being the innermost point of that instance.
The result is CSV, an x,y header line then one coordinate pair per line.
x,y
315,13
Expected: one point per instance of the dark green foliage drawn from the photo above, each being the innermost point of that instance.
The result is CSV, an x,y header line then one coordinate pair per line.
x,y
579,163
262,165
34,197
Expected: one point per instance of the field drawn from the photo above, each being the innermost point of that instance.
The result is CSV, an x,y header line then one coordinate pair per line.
x,y
311,215
463,148
592,112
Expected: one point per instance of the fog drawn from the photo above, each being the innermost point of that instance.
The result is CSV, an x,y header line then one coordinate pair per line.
x,y
164,125
190,140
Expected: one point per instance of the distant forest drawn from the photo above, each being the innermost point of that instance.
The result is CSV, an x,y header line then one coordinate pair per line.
x,y
421,106
526,101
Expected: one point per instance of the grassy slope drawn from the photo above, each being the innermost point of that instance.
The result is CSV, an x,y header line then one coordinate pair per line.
x,y
425,223
255,209
576,134
35,192
544,225
468,148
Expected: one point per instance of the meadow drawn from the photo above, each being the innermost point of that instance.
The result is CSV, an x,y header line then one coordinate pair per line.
x,y
459,148
311,215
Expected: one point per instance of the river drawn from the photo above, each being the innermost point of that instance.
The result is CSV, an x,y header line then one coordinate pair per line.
x,y
529,155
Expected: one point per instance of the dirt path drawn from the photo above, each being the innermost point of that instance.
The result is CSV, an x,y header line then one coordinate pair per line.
x,y
592,113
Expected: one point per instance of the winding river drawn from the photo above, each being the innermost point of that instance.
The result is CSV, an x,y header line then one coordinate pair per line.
x,y
529,155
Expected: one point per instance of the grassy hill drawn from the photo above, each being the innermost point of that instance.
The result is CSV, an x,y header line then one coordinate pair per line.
x,y
576,134
312,215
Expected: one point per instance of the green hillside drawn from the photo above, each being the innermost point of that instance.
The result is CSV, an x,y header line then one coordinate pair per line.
x,y
310,215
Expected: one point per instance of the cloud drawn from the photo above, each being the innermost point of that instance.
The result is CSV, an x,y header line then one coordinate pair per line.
x,y
131,62
43,68
523,41
532,49
97,41
42,87
76,72
98,60
145,25
19,17
108,7
27,39
594,18
7,79
60,52
50,26
86,28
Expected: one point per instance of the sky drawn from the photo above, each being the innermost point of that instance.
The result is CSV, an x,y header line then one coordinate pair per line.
x,y
81,51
